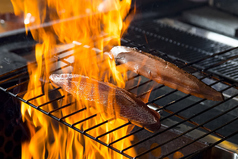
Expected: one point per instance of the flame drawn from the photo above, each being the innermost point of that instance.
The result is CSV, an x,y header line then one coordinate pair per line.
x,y
90,26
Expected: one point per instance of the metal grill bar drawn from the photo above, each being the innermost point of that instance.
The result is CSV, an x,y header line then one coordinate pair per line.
x,y
184,133
214,144
67,105
58,69
99,125
78,122
176,113
133,87
65,123
17,85
13,71
181,110
133,145
213,55
113,130
42,94
126,136
165,95
141,95
25,67
221,62
200,137
25,71
21,93
66,116
137,86
13,77
192,122
51,101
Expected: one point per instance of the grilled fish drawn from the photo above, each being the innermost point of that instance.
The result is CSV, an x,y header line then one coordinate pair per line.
x,y
125,105
163,72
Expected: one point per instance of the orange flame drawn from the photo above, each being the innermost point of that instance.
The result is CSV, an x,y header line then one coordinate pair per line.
x,y
90,26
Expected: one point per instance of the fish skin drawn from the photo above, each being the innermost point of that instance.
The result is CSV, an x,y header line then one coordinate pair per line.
x,y
125,105
163,72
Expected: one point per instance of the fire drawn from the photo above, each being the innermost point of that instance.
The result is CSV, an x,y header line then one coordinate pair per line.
x,y
85,24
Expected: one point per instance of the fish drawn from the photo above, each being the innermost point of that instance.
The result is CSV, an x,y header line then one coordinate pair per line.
x,y
123,103
163,72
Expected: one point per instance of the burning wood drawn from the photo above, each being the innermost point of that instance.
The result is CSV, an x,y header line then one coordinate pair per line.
x,y
163,72
115,100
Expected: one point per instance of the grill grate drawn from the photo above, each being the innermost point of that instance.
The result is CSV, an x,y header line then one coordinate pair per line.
x,y
173,105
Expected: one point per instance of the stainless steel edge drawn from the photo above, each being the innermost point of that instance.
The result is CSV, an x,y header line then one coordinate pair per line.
x,y
199,31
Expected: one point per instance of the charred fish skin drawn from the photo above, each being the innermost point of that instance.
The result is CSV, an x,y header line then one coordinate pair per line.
x,y
163,72
125,105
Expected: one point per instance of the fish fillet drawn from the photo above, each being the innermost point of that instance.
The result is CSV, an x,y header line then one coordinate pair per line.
x,y
125,105
163,72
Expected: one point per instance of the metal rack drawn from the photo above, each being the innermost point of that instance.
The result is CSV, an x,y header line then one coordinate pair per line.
x,y
167,108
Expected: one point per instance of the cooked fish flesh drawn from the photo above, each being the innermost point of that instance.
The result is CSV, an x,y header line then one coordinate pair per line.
x,y
163,72
124,104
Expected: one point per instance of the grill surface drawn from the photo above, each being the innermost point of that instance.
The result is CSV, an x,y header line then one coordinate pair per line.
x,y
187,51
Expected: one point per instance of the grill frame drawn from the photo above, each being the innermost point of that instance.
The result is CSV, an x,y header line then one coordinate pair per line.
x,y
182,64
